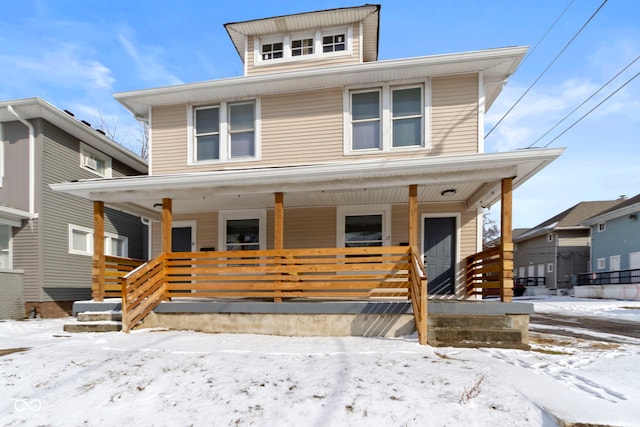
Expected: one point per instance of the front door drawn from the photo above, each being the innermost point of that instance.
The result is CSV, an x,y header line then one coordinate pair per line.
x,y
181,239
440,254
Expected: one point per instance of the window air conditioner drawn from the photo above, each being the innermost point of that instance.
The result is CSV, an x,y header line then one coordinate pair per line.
x,y
90,163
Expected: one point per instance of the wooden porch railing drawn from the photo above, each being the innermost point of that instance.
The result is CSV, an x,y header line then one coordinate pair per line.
x,y
343,273
115,269
485,275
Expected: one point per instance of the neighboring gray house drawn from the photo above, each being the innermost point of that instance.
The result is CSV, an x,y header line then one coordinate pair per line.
x,y
615,244
554,252
46,237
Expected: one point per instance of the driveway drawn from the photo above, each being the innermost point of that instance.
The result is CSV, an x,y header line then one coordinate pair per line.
x,y
599,328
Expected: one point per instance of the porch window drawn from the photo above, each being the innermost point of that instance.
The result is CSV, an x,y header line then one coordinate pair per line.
x,y
386,118
95,161
243,234
5,254
365,120
225,132
362,231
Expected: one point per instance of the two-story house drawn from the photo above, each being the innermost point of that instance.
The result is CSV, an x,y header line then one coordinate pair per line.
x,y
552,254
615,249
320,146
46,238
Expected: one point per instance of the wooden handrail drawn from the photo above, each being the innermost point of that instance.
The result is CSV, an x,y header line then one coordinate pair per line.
x,y
142,290
115,269
483,271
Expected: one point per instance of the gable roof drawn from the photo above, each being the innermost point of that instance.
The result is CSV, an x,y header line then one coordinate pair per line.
x,y
623,208
368,14
33,108
571,218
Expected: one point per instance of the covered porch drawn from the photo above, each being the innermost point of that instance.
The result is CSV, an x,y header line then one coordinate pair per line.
x,y
391,269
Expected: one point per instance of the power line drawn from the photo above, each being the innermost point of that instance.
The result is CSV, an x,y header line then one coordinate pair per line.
x,y
584,102
533,49
590,111
546,69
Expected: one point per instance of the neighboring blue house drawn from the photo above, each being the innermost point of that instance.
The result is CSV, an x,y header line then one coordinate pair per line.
x,y
615,245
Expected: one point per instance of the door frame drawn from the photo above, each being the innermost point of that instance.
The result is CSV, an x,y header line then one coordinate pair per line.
x,y
193,224
456,267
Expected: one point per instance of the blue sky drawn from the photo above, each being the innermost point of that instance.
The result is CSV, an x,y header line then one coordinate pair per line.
x,y
77,54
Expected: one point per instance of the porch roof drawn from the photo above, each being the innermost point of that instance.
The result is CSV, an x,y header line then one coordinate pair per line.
x,y
473,180
12,216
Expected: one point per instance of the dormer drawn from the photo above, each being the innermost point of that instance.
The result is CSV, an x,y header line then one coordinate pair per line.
x,y
307,40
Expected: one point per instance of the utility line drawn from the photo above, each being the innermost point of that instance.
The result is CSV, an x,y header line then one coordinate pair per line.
x,y
546,69
545,34
590,111
584,102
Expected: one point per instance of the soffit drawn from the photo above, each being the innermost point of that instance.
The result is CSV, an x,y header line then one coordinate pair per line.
x,y
496,64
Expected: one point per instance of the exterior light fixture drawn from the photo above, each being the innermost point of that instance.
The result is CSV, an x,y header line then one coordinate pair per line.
x,y
448,192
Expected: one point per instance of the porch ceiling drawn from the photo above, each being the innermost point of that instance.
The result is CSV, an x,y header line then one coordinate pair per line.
x,y
474,177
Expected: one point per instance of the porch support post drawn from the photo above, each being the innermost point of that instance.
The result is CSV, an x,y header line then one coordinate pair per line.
x,y
506,242
278,236
167,219
414,226
99,265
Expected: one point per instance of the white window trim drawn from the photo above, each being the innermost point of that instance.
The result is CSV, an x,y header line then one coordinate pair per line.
x,y
9,247
224,135
386,119
1,156
86,151
602,263
224,216
550,267
343,211
601,226
550,237
317,45
193,224
90,240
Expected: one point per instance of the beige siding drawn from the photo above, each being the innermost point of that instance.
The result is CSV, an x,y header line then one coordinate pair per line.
x,y
332,61
309,228
303,127
454,125
206,231
169,139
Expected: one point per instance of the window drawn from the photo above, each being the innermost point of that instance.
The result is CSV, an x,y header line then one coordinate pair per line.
x,y
386,118
225,132
242,230
1,156
5,252
407,109
81,242
365,120
550,267
602,226
272,51
302,47
549,237
602,263
334,43
363,226
94,161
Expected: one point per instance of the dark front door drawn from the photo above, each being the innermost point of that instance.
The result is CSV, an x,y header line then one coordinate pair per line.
x,y
181,239
439,254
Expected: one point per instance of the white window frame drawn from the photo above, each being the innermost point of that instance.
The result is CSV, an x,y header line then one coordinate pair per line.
x,y
87,153
386,119
90,240
602,263
602,226
343,211
550,237
224,216
9,247
550,267
224,134
287,38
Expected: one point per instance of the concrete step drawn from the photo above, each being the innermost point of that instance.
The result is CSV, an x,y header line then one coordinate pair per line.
x,y
105,326
99,316
476,337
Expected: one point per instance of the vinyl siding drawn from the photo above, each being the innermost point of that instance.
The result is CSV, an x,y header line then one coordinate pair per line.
x,y
535,251
27,256
454,114
14,191
169,139
621,237
206,230
12,302
321,62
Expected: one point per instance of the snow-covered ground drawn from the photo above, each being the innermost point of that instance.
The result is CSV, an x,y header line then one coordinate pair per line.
x,y
172,378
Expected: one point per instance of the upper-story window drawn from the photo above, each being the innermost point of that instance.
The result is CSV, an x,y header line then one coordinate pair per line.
x,y
297,46
5,247
386,118
228,131
95,161
602,226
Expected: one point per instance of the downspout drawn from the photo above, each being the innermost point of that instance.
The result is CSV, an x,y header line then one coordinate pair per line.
x,y
32,162
147,222
556,261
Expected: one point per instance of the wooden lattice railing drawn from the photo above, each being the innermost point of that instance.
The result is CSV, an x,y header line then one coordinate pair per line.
x,y
483,272
343,273
115,269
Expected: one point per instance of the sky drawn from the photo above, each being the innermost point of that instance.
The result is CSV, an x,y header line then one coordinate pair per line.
x,y
168,378
76,55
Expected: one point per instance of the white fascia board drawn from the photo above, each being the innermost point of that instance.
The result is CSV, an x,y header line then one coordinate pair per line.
x,y
12,216
627,210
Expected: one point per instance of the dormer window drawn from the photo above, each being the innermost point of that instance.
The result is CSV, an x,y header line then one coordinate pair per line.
x,y
273,49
